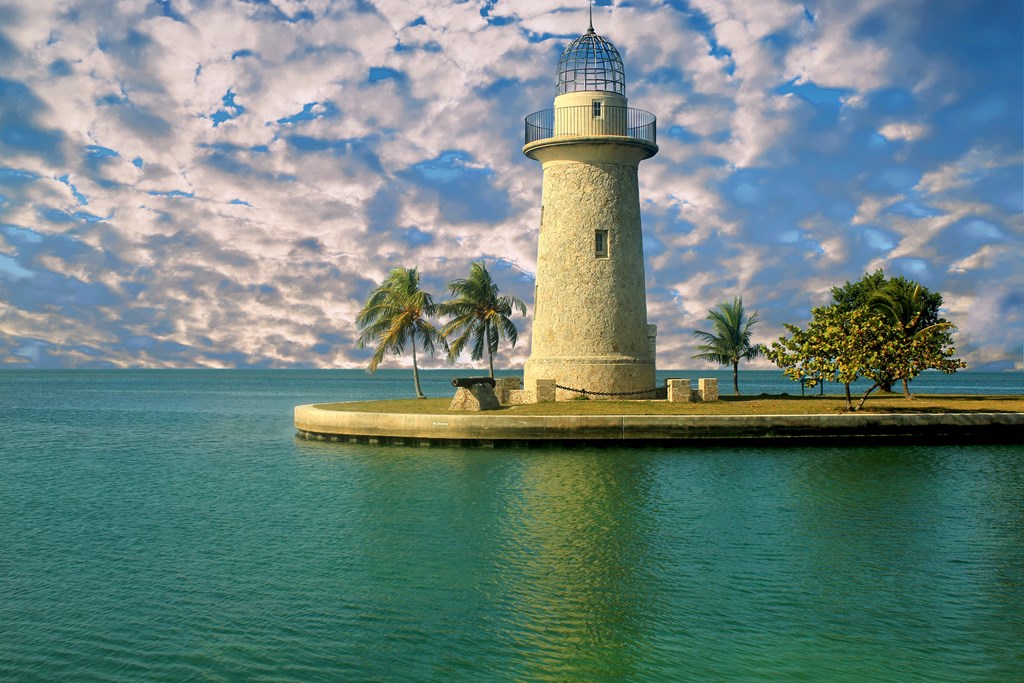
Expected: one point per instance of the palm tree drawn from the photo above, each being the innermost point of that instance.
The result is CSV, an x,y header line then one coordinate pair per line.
x,y
479,316
912,310
395,314
729,341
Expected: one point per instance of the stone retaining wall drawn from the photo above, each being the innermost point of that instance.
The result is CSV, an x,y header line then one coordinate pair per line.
x,y
313,422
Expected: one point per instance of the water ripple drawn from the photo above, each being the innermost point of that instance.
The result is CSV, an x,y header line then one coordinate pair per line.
x,y
169,527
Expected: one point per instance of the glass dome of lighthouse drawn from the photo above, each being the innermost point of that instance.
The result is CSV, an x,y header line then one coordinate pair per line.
x,y
591,64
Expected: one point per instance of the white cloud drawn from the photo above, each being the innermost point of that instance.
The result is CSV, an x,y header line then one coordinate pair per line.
x,y
329,200
907,132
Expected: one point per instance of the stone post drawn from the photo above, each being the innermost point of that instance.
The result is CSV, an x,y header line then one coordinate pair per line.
x,y
544,390
504,386
678,390
708,389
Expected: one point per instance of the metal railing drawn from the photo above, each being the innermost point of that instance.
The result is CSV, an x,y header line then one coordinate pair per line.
x,y
588,120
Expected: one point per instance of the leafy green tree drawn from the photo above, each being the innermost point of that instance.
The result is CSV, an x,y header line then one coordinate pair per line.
x,y
865,291
837,346
844,345
907,305
899,299
729,341
395,314
913,312
479,316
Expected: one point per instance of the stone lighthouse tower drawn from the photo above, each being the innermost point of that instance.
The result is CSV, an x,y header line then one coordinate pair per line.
x,y
590,328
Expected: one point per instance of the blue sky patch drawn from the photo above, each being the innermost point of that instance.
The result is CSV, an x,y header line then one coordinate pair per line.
x,y
172,194
682,134
878,239
911,268
59,68
230,148
813,93
652,246
967,236
895,179
697,21
339,146
167,9
429,46
271,12
22,235
310,112
384,73
19,131
913,209
231,110
449,167
534,37
74,190
99,152
470,195
417,237
16,176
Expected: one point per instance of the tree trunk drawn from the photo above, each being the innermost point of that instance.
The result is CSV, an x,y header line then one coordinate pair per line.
x,y
736,378
415,369
487,340
906,390
849,399
865,396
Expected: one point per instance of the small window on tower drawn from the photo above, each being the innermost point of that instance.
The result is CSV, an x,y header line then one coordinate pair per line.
x,y
597,109
601,243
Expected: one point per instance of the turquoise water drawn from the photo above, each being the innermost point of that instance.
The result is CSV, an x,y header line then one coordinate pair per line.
x,y
168,525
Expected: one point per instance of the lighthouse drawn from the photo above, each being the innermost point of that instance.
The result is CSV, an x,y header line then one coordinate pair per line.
x,y
590,331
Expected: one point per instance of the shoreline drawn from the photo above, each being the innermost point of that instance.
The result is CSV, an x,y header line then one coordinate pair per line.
x,y
443,429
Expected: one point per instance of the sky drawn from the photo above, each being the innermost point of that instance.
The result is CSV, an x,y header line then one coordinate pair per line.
x,y
221,183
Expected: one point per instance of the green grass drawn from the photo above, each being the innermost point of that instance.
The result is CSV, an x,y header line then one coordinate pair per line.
x,y
728,405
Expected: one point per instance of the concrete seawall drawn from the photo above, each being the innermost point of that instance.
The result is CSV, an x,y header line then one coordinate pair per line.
x,y
490,429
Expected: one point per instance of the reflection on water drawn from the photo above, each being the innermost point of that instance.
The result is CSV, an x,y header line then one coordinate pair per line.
x,y
574,564
601,564
170,527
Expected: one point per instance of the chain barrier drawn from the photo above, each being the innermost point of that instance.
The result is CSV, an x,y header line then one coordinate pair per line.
x,y
608,393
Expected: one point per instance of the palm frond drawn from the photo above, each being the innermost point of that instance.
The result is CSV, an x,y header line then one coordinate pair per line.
x,y
728,342
394,312
478,315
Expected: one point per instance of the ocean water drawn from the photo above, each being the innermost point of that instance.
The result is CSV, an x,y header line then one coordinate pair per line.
x,y
169,526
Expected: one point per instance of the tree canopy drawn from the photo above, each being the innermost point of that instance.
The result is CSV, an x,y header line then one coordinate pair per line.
x,y
879,329
396,313
871,288
480,317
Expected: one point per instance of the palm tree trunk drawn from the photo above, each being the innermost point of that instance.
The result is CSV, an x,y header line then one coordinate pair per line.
x,y
415,369
487,340
736,378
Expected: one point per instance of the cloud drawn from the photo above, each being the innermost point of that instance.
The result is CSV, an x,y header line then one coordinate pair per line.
x,y
223,183
908,132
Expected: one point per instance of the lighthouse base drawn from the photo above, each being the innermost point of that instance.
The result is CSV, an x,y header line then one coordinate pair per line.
x,y
596,377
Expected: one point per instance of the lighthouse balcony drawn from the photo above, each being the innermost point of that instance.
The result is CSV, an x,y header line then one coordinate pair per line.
x,y
596,119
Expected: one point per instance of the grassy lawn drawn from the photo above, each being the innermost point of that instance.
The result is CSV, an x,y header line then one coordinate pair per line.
x,y
728,405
